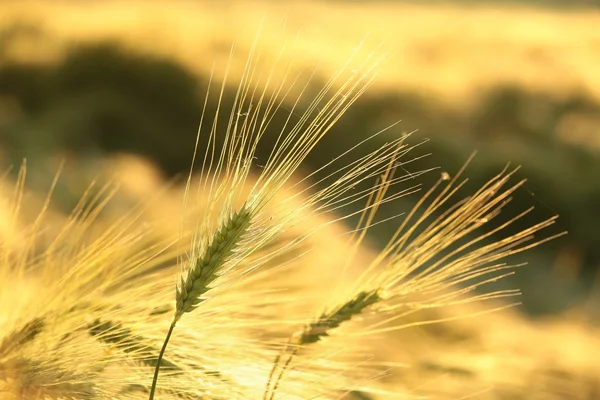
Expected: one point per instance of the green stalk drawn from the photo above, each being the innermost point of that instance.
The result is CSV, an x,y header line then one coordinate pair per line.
x,y
160,356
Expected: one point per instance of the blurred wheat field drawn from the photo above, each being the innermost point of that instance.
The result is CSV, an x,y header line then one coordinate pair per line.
x,y
487,356
447,51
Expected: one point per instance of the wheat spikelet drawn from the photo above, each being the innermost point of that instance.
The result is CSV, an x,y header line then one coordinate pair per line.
x,y
206,268
333,319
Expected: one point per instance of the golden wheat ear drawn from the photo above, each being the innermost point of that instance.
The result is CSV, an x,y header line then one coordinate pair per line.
x,y
437,258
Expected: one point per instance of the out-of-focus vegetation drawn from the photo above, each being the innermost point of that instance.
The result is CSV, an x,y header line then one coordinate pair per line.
x,y
69,88
83,81
65,94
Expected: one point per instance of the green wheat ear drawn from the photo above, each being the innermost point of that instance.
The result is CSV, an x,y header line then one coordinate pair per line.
x,y
333,319
318,329
205,270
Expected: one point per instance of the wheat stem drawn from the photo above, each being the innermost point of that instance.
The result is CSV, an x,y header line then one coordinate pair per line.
x,y
159,360
280,376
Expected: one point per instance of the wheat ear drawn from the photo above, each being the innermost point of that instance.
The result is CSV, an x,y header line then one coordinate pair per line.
x,y
318,329
205,271
333,319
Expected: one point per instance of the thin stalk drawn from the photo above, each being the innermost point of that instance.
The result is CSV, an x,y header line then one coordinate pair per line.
x,y
160,356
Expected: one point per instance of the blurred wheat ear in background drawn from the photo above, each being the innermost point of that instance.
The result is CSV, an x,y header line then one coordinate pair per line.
x,y
86,299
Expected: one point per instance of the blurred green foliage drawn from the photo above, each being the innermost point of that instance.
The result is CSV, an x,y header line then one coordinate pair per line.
x,y
100,98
